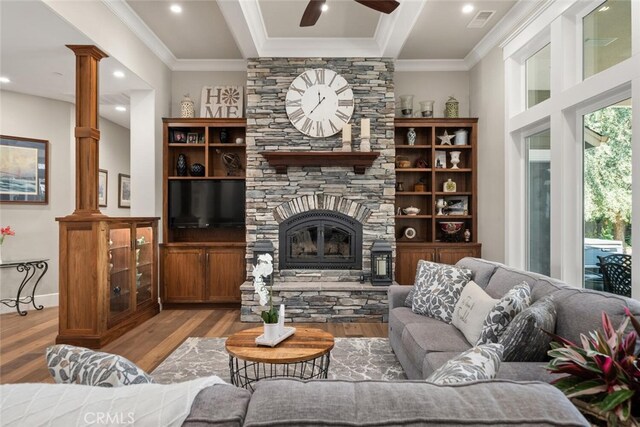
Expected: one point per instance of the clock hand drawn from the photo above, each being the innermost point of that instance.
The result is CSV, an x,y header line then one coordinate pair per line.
x,y
319,101
314,108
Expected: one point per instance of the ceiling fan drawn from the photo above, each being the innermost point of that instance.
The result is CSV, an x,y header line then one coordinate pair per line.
x,y
314,9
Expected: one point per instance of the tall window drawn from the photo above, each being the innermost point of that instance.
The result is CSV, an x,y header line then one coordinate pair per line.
x,y
538,76
607,187
539,202
606,36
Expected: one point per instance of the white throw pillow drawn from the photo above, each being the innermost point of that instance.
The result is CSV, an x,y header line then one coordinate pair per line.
x,y
478,363
471,310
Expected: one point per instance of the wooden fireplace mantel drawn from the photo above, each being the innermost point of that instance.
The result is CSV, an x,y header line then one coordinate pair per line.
x,y
359,160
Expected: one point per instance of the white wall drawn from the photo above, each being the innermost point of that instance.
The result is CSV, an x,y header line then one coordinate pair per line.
x,y
487,103
192,82
114,157
433,85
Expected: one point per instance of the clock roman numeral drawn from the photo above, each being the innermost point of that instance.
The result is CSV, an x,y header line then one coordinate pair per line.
x,y
306,79
345,103
342,116
300,91
294,102
342,89
320,76
334,129
319,129
306,126
297,115
334,77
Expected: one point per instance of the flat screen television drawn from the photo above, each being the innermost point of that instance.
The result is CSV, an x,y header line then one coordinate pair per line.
x,y
206,203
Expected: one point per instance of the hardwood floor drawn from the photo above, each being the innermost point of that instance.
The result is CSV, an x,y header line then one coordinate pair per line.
x,y
23,339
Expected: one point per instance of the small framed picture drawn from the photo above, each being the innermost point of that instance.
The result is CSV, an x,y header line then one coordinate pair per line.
x,y
124,191
24,167
201,140
178,136
103,182
441,159
192,138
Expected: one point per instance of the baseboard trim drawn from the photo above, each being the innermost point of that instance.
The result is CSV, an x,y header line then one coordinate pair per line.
x,y
46,300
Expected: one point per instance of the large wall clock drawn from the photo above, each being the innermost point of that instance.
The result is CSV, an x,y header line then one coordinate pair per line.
x,y
319,102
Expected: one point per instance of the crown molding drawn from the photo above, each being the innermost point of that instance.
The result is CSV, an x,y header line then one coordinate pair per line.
x,y
210,65
123,11
408,65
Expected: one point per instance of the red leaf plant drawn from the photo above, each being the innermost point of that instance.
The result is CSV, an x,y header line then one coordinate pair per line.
x,y
604,370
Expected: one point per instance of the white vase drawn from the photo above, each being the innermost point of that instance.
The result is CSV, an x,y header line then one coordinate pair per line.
x,y
270,331
187,109
455,159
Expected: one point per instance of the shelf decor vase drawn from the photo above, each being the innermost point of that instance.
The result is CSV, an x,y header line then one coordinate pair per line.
x,y
449,186
411,136
271,331
181,165
441,204
426,108
224,135
451,108
406,105
197,169
461,137
187,109
455,159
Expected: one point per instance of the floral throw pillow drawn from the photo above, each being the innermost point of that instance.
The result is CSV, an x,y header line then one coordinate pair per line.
x,y
513,302
438,289
424,274
478,363
77,365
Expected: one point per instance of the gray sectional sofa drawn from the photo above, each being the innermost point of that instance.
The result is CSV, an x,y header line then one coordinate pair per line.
x,y
423,344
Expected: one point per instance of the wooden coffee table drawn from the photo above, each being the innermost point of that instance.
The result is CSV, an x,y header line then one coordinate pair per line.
x,y
303,355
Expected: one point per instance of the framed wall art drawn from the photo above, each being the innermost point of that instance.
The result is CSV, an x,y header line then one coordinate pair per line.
x,y
103,181
24,170
221,101
124,191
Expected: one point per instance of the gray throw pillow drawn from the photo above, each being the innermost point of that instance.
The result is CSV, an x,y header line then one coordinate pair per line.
x,y
517,299
478,363
524,339
438,288
77,365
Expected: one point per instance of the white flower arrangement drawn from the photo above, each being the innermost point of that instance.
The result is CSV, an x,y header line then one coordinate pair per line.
x,y
262,270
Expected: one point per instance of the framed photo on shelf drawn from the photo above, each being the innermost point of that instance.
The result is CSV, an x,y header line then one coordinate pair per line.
x,y
457,205
103,182
124,191
192,138
24,169
178,136
441,160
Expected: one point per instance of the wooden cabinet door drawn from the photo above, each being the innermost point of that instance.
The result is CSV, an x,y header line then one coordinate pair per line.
x,y
183,275
225,273
407,262
453,255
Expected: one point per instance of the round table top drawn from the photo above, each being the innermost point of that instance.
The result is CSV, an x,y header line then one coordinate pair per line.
x,y
305,344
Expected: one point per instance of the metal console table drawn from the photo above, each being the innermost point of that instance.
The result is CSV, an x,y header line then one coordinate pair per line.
x,y
29,267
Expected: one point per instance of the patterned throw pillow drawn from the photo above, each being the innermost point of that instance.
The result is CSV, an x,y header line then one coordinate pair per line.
x,y
438,289
76,365
424,272
514,301
478,363
524,340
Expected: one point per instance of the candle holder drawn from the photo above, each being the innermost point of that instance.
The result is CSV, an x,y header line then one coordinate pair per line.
x,y
365,145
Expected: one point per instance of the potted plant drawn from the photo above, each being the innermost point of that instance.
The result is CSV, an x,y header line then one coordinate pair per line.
x,y
603,372
262,270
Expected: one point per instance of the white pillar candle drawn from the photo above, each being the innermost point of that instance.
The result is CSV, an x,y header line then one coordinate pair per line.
x,y
382,266
346,133
365,128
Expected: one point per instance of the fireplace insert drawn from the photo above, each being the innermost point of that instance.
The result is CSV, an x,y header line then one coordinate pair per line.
x,y
320,239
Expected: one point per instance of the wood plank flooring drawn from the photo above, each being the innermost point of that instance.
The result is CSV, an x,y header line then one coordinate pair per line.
x,y
23,339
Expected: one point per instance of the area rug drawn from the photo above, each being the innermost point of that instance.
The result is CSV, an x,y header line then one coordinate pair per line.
x,y
351,359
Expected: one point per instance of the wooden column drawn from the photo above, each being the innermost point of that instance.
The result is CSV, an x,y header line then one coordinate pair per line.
x,y
86,131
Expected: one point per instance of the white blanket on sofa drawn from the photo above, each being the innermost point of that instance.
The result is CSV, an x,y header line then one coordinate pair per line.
x,y
79,405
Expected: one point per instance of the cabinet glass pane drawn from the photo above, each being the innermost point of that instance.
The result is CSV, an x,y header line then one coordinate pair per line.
x,y
119,270
539,202
607,198
606,36
538,70
144,263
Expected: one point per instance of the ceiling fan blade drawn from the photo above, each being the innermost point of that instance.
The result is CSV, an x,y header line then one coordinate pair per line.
x,y
312,13
384,6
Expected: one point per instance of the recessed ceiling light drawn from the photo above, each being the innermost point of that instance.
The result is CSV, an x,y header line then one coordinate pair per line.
x,y
467,8
119,74
324,7
176,8
4,80
603,9
121,108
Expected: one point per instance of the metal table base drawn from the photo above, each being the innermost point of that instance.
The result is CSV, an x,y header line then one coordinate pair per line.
x,y
29,268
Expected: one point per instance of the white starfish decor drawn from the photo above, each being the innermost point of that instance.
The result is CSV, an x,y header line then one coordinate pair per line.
x,y
446,138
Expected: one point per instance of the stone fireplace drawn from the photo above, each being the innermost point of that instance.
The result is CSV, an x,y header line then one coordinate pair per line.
x,y
322,221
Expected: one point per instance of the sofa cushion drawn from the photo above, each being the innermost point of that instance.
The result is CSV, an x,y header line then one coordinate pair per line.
x,y
438,290
433,335
78,365
287,402
471,310
400,317
478,363
481,270
525,339
220,405
506,278
515,300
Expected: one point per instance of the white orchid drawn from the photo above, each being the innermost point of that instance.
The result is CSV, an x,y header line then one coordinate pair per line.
x,y
263,269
